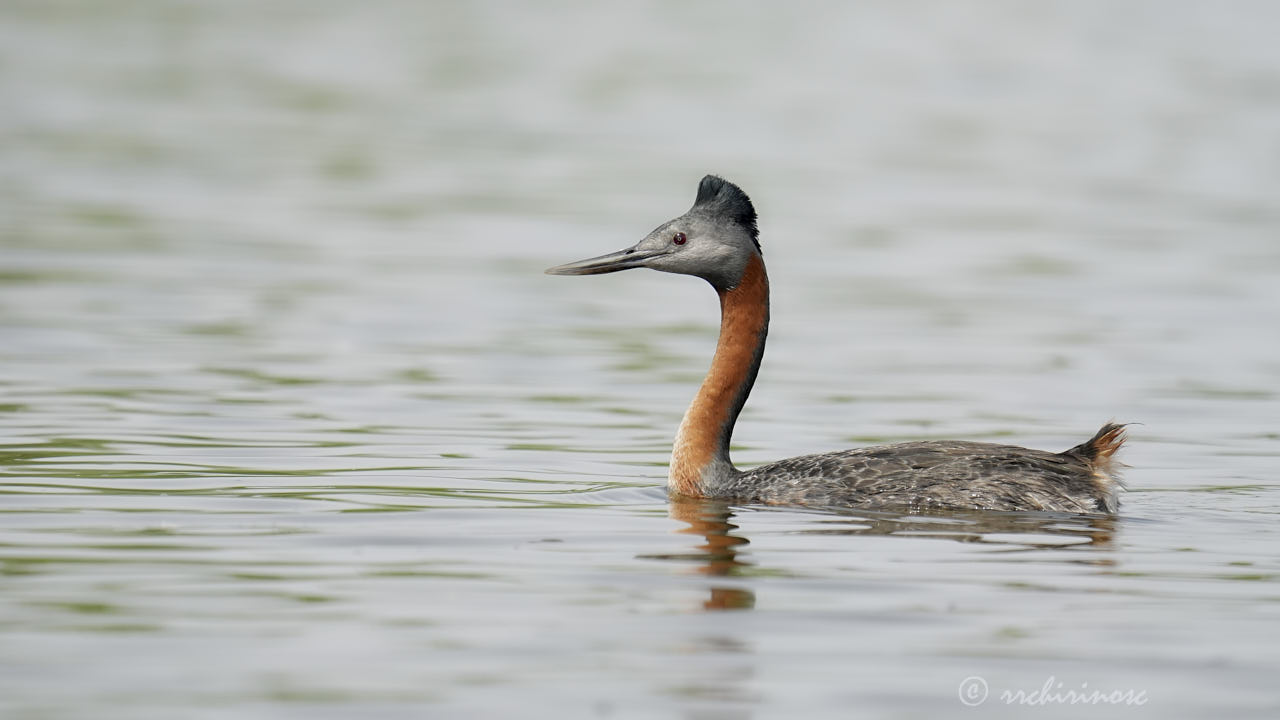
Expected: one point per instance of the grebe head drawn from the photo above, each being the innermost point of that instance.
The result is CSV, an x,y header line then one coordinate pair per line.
x,y
714,240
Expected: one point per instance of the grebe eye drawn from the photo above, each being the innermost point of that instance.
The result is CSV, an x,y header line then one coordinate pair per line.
x,y
679,239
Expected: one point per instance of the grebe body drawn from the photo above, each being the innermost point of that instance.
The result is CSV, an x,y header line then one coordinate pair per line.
x,y
718,240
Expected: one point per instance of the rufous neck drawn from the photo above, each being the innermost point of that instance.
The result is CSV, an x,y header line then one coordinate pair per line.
x,y
701,452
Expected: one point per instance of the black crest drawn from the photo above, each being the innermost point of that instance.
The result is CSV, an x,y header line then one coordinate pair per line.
x,y
720,198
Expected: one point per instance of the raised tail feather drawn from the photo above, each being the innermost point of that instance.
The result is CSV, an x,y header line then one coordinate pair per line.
x,y
1100,451
1102,447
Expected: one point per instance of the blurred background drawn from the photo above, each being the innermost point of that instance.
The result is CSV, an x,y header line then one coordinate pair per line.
x,y
278,359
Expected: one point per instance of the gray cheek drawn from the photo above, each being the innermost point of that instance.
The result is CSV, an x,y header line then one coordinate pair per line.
x,y
674,263
724,269
720,266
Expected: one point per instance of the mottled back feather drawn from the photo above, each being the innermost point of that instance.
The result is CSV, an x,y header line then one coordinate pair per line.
x,y
936,475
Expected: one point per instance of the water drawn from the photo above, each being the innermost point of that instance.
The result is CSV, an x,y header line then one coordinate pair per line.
x,y
292,425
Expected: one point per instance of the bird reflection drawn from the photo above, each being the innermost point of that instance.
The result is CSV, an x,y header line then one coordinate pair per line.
x,y
1015,531
719,555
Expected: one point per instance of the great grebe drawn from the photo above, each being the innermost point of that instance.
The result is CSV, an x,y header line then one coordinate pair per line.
x,y
717,240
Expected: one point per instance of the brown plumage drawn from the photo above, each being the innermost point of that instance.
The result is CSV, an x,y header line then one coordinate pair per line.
x,y
744,320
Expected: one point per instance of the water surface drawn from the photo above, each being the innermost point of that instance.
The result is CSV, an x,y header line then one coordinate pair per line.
x,y
292,424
